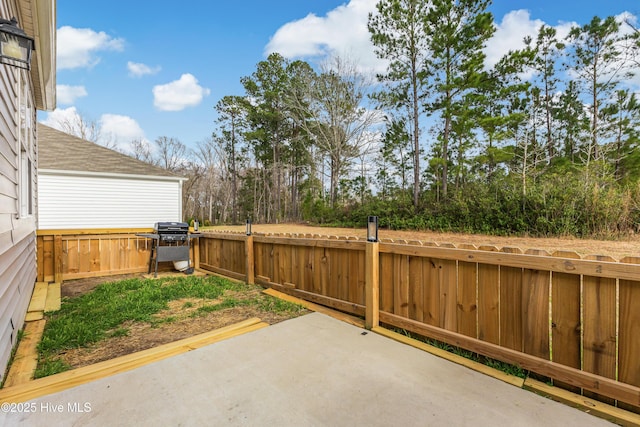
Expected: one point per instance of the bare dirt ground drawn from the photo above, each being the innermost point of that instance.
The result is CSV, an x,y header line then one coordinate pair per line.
x,y
142,336
616,249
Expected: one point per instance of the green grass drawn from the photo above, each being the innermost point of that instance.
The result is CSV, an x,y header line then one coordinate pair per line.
x,y
261,301
119,332
100,314
277,305
49,366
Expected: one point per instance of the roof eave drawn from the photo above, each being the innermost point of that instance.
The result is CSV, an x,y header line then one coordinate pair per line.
x,y
42,27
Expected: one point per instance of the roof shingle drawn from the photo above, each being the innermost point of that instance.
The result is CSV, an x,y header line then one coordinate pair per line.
x,y
60,151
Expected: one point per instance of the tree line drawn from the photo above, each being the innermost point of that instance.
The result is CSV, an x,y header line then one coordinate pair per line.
x,y
544,142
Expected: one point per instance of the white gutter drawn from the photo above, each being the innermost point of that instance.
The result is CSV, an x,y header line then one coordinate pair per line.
x,y
112,175
44,33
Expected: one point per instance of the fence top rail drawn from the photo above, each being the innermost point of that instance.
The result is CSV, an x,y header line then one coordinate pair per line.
x,y
223,236
326,242
283,235
313,242
293,239
103,237
69,232
606,267
568,262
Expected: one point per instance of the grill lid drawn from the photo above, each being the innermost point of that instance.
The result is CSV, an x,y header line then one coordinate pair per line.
x,y
171,227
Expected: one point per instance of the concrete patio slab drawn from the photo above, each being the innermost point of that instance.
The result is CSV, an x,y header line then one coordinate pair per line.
x,y
309,371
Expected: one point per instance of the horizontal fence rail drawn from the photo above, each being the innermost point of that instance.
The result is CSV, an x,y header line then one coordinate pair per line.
x,y
569,318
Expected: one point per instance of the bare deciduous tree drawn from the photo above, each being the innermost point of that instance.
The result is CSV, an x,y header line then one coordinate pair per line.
x,y
329,107
172,154
141,150
81,127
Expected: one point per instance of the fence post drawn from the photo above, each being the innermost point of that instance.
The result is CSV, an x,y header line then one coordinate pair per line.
x,y
248,250
57,259
372,285
196,253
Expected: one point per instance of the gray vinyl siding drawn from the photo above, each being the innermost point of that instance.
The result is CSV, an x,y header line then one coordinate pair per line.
x,y
17,277
68,201
17,234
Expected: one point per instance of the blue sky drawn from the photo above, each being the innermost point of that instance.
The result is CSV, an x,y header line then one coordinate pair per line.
x,y
146,69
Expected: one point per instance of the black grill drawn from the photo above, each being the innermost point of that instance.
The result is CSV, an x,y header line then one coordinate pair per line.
x,y
172,231
170,241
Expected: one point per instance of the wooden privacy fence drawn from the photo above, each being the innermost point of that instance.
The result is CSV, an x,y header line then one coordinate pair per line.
x,y
75,254
572,319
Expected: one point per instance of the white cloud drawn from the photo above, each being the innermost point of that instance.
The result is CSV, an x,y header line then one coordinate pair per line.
x,y
179,94
512,30
137,69
119,130
66,94
77,47
114,130
628,22
57,117
343,31
617,70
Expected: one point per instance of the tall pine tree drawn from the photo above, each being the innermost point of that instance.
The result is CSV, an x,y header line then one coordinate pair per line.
x,y
458,31
398,31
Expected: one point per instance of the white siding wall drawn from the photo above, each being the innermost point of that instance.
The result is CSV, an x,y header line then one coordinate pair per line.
x,y
81,202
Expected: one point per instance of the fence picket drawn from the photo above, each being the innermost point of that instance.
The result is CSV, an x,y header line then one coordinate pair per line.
x,y
511,304
332,261
416,289
94,255
565,318
361,277
386,283
70,255
307,277
401,288
448,280
276,262
318,253
489,300
344,276
535,310
431,292
599,341
258,258
268,261
467,296
296,266
629,343
324,271
353,277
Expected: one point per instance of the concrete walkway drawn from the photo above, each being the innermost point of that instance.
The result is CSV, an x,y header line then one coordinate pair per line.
x,y
309,371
